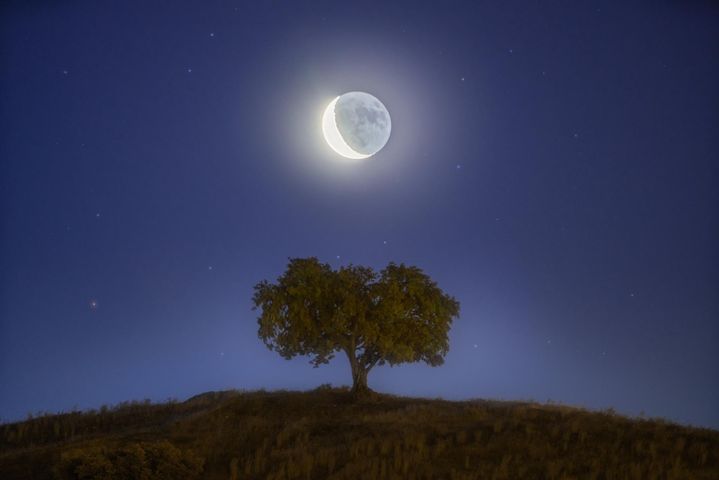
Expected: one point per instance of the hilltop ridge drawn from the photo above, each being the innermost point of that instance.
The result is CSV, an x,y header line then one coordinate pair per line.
x,y
328,433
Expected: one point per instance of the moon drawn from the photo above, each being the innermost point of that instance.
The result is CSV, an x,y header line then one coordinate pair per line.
x,y
356,125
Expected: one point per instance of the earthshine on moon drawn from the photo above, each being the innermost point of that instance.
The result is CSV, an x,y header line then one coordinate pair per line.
x,y
356,125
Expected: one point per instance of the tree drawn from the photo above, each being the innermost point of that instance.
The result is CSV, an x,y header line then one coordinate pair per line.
x,y
395,316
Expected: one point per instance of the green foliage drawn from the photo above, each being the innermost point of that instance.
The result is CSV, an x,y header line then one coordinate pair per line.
x,y
327,434
395,316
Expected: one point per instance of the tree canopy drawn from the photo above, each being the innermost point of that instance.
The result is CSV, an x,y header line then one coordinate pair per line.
x,y
393,316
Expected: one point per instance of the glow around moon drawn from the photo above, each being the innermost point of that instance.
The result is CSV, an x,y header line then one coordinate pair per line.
x,y
356,125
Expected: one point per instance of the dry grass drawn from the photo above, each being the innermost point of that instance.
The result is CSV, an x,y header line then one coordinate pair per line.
x,y
326,434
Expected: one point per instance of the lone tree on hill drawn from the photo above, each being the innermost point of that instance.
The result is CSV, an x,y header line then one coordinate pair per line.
x,y
395,316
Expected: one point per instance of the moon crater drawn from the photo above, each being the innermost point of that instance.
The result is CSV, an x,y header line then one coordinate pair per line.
x,y
356,125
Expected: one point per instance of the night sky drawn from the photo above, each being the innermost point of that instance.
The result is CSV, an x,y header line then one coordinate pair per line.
x,y
552,165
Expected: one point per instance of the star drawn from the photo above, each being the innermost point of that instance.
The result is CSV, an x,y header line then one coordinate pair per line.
x,y
384,242
93,304
475,345
338,257
64,72
461,79
212,34
459,167
189,70
209,267
97,215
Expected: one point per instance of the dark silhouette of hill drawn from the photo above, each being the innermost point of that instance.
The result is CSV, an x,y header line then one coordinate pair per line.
x,y
328,433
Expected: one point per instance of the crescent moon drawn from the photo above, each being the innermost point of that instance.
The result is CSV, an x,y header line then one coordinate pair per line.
x,y
333,135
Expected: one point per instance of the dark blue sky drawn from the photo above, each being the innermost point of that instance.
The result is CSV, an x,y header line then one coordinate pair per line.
x,y
553,165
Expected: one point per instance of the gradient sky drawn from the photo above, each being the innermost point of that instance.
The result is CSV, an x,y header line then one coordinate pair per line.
x,y
553,165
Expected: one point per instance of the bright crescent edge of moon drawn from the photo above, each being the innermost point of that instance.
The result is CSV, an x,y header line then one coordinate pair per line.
x,y
333,135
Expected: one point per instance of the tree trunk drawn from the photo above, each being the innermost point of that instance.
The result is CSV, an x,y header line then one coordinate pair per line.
x,y
359,381
359,377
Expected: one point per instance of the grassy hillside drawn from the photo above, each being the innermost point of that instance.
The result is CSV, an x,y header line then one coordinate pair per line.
x,y
325,434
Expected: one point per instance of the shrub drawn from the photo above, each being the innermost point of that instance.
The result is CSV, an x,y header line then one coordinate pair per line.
x,y
146,461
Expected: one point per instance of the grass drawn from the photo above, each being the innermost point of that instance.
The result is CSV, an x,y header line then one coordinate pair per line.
x,y
326,433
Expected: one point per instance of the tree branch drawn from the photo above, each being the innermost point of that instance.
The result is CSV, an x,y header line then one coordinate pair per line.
x,y
370,358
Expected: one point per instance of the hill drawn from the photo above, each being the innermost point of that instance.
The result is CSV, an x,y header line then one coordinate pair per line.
x,y
325,433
